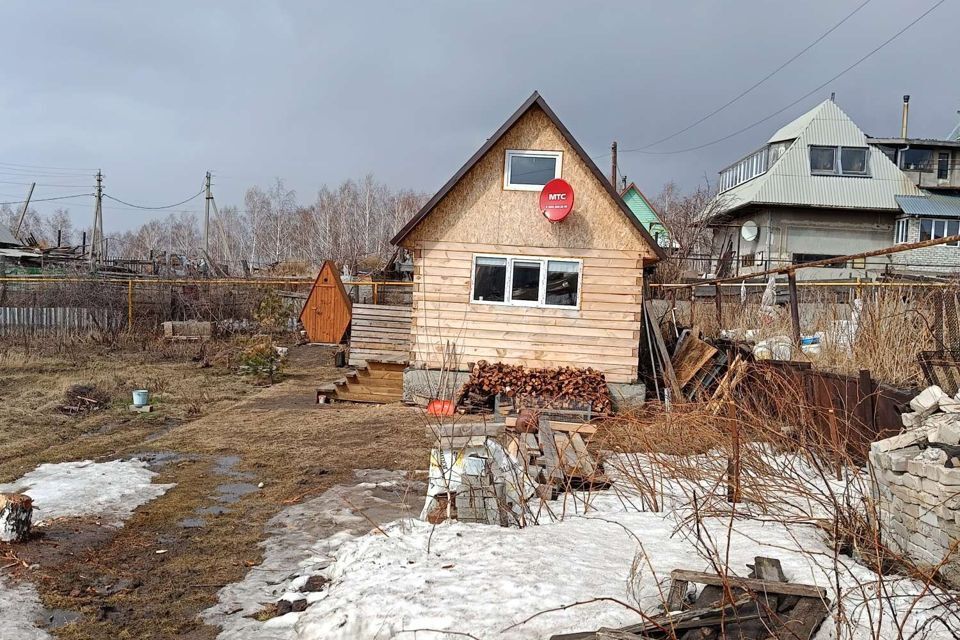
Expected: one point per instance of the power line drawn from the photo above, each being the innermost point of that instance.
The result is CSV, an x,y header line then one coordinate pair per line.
x,y
37,166
47,184
761,80
79,195
168,206
800,99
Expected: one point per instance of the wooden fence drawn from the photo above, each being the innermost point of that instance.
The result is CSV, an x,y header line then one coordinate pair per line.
x,y
57,320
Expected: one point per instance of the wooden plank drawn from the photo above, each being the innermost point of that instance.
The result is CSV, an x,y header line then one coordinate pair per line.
x,y
517,340
595,357
670,377
535,331
556,425
548,445
693,355
490,429
750,584
584,459
481,317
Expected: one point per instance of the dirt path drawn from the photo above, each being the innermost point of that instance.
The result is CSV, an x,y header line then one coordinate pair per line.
x,y
210,524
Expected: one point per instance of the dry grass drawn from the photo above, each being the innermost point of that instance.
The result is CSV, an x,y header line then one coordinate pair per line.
x,y
893,325
297,448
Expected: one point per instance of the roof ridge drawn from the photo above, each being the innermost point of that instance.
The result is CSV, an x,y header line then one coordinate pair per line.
x,y
535,99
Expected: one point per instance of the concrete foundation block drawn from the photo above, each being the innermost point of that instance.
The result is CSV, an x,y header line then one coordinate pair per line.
x,y
187,329
421,385
627,396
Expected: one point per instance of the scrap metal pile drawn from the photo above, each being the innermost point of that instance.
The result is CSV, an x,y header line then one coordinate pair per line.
x,y
565,387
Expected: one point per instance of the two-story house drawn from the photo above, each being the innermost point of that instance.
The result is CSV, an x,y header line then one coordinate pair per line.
x,y
816,189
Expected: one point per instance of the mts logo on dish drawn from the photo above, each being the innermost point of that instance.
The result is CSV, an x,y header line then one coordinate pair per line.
x,y
557,196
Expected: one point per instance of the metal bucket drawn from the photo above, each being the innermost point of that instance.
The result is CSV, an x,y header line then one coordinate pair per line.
x,y
141,397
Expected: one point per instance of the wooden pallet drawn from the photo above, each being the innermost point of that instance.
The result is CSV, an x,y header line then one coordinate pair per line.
x,y
376,382
380,333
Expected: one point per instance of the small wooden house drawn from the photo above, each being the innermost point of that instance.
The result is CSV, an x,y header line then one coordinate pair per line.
x,y
495,277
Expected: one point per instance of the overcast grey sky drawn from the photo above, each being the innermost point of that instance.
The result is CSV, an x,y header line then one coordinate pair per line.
x,y
316,92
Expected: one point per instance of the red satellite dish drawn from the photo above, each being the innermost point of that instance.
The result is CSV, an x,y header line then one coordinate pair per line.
x,y
556,200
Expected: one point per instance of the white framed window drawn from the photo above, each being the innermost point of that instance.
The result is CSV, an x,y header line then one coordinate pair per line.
x,y
933,228
526,281
530,170
842,161
901,231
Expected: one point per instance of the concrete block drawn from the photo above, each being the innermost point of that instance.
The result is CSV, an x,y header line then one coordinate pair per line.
x,y
901,441
928,400
911,420
949,405
898,459
627,396
187,329
944,431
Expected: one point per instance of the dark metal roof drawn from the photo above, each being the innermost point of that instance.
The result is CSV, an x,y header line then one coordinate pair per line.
x,y
933,205
534,99
922,142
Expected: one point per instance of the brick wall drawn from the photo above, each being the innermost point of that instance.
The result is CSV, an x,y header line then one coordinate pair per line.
x,y
918,500
938,259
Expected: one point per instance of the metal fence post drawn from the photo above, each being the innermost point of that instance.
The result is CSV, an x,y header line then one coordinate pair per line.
x,y
130,305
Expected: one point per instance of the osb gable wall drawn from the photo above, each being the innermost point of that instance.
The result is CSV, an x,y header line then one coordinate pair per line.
x,y
479,210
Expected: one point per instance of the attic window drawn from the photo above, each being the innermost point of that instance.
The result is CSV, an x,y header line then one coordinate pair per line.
x,y
842,161
530,170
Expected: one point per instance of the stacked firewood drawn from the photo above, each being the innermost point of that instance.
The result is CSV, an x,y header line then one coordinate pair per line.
x,y
561,388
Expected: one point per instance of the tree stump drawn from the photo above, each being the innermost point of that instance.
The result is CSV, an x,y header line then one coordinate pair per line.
x,y
16,512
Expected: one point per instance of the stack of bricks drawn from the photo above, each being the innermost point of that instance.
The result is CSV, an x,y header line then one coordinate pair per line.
x,y
917,485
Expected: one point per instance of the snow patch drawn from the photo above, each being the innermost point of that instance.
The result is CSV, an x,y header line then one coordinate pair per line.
x,y
110,490
19,608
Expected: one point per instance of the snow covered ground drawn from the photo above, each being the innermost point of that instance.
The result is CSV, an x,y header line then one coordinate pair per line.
x,y
110,491
411,579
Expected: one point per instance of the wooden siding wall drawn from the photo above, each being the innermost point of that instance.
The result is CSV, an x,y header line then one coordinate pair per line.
x,y
379,333
604,333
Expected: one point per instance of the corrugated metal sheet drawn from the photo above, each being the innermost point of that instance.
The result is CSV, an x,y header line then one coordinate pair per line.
x,y
932,205
789,181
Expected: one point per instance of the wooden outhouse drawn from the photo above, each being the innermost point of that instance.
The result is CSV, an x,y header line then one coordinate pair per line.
x,y
326,313
503,283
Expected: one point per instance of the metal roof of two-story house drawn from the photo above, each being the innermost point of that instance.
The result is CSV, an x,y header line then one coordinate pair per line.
x,y
822,159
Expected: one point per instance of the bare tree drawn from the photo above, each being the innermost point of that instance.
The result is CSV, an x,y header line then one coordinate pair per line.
x,y
685,215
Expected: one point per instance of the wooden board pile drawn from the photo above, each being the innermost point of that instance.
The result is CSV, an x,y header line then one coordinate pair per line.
x,y
565,387
554,454
762,606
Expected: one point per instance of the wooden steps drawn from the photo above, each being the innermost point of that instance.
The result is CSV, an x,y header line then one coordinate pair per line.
x,y
376,382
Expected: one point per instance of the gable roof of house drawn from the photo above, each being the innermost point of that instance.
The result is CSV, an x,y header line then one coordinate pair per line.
x,y
644,209
789,180
534,100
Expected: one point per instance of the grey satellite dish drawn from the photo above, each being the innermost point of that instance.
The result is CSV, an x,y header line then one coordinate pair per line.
x,y
749,231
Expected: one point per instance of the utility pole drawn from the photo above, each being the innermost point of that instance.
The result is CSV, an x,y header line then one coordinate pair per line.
x,y
206,219
96,248
23,212
613,164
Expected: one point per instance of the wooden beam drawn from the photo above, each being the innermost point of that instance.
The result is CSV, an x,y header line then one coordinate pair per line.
x,y
750,584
